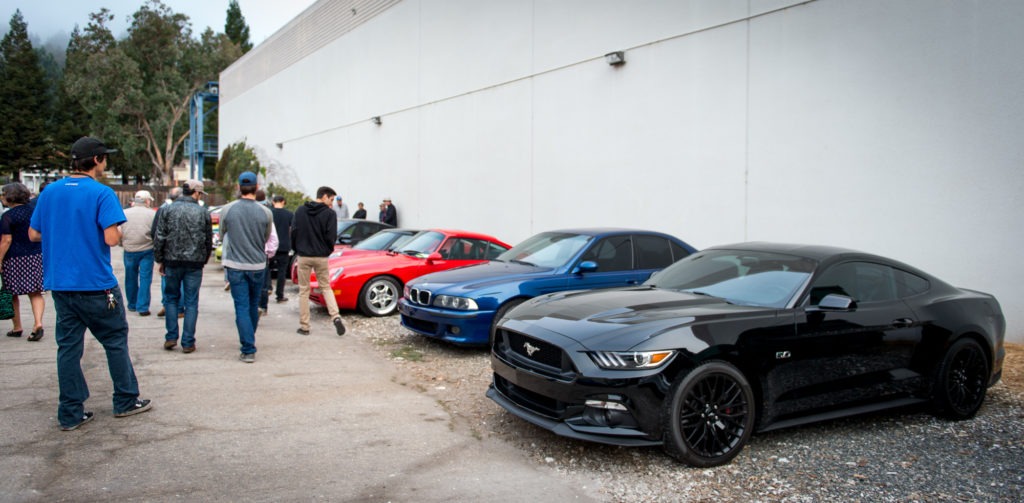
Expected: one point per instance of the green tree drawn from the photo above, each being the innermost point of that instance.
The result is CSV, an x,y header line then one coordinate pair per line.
x,y
234,160
235,27
137,91
23,101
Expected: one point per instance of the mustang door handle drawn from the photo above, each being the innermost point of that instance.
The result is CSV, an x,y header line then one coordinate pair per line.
x,y
902,322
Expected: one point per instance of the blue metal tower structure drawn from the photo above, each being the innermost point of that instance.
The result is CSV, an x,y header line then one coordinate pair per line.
x,y
199,146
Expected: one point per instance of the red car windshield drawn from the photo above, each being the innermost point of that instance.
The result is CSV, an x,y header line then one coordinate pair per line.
x,y
422,244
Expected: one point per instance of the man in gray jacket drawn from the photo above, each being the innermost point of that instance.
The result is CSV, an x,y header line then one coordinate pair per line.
x,y
137,240
182,245
248,227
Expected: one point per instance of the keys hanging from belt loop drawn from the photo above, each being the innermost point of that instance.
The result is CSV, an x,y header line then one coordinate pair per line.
x,y
111,303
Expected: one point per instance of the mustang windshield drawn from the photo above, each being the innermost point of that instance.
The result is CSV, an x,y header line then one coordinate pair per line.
x,y
422,244
740,277
547,249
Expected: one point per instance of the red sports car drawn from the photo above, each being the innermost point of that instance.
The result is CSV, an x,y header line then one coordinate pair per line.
x,y
377,244
373,283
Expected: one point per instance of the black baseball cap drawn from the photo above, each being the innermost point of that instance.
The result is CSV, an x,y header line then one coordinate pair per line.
x,y
88,147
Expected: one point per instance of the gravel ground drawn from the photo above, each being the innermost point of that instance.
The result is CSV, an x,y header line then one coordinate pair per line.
x,y
905,455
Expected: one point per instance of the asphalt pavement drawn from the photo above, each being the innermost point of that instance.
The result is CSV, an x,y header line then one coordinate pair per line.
x,y
315,418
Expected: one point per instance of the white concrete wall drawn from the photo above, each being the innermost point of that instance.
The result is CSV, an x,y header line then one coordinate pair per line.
x,y
891,127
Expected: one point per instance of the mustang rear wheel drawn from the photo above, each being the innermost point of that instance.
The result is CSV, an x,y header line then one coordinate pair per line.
x,y
708,415
379,296
961,380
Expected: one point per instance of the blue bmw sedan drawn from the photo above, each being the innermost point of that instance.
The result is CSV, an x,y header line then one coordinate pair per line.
x,y
462,306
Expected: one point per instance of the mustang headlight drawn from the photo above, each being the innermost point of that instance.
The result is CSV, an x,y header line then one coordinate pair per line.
x,y
631,360
337,272
460,303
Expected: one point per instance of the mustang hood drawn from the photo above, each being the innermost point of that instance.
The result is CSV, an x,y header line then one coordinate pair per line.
x,y
481,275
620,319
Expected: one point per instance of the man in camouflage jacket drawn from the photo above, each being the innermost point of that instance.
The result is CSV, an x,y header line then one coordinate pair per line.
x,y
182,244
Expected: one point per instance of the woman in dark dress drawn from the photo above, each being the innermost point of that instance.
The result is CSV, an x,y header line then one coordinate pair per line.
x,y
21,260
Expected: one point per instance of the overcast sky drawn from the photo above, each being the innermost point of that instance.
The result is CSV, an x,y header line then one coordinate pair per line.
x,y
49,18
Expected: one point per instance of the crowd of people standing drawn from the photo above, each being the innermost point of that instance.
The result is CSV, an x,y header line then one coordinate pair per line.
x,y
176,239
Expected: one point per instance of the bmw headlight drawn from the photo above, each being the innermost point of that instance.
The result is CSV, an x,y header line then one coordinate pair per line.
x,y
631,360
459,303
337,272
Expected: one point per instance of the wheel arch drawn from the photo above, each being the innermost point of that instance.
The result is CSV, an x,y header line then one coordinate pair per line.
x,y
686,362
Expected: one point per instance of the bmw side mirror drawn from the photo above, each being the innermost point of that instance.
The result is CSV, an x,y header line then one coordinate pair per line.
x,y
586,266
835,302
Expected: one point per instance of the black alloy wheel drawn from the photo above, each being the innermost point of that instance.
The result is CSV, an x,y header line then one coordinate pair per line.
x,y
708,415
961,380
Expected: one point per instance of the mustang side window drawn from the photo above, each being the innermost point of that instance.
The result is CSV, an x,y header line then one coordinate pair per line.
x,y
861,281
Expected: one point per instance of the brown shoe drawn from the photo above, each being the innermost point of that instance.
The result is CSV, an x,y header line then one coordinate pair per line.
x,y
188,349
161,312
169,345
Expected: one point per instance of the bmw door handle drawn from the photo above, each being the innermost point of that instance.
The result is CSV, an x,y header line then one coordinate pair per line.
x,y
632,282
902,322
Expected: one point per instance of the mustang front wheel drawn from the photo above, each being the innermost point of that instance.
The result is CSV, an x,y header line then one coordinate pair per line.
x,y
708,415
379,296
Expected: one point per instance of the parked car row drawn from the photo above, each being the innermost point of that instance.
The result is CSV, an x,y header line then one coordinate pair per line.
x,y
635,338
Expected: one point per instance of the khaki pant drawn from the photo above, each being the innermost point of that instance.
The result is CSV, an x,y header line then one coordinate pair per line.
x,y
323,277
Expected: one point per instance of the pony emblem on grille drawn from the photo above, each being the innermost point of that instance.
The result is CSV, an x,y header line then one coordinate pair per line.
x,y
530,348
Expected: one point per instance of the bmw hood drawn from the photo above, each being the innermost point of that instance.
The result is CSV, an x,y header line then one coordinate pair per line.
x,y
621,319
480,276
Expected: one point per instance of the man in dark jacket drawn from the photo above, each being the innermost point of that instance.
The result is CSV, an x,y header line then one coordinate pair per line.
x,y
314,232
182,245
390,213
283,224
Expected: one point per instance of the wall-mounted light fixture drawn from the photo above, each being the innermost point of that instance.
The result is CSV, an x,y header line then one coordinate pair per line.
x,y
615,58
280,145
376,119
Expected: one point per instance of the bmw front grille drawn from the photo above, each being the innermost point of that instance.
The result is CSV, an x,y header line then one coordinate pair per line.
x,y
418,296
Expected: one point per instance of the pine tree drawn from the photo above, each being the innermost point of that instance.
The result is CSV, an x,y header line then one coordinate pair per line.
x,y
235,27
23,101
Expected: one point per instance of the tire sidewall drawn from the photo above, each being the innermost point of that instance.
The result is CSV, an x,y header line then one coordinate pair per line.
x,y
672,434
941,399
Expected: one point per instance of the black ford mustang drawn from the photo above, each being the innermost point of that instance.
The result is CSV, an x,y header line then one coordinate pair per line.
x,y
733,339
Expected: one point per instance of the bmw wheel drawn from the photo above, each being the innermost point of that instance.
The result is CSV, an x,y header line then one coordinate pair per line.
x,y
506,307
708,415
379,296
961,380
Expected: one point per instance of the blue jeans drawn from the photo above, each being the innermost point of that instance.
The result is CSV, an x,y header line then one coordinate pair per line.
x,y
245,292
181,288
76,312
163,296
138,276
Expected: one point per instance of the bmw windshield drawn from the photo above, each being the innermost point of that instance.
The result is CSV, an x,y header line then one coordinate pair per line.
x,y
547,249
739,277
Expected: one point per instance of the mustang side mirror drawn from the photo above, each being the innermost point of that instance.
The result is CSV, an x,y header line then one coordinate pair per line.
x,y
834,302
586,266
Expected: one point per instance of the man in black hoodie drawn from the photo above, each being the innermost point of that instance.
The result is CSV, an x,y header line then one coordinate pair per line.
x,y
314,232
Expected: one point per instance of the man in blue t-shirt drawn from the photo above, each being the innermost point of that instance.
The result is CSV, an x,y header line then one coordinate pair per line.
x,y
77,221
